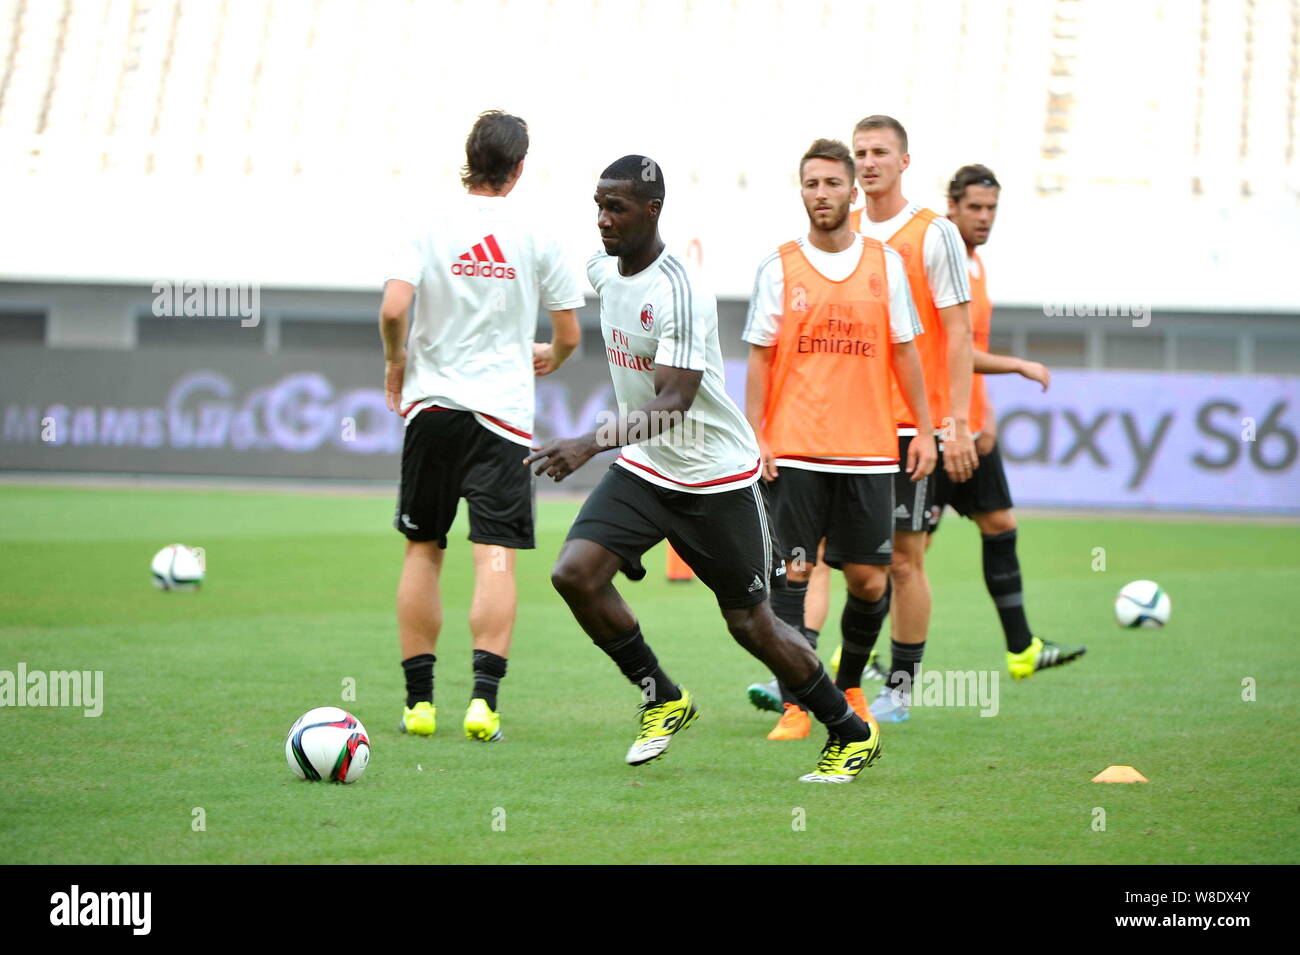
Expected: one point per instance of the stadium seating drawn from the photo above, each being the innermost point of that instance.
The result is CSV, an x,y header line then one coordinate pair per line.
x,y
274,105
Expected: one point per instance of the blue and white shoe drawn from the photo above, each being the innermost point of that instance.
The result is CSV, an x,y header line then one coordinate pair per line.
x,y
891,706
765,696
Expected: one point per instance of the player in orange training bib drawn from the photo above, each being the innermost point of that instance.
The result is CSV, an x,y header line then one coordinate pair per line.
x,y
830,326
986,497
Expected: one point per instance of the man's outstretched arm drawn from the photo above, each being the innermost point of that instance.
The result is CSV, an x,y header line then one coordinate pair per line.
x,y
987,363
675,390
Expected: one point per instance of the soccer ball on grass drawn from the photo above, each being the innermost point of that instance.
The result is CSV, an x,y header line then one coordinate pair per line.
x,y
1143,603
177,567
327,743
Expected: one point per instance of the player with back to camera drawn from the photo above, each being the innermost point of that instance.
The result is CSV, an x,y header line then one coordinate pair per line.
x,y
986,498
464,385
830,328
689,475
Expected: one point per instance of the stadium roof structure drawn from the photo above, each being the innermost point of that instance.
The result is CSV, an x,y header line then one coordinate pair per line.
x,y
1149,153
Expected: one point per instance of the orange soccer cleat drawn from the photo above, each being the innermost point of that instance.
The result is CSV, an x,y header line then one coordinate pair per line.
x,y
793,724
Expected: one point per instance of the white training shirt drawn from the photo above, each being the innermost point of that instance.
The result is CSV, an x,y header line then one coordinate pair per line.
x,y
767,307
665,314
479,271
944,252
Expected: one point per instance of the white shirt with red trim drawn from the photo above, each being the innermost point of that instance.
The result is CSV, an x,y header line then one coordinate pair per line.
x,y
480,271
665,314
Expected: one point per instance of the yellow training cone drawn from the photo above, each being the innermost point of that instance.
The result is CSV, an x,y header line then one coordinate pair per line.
x,y
1119,774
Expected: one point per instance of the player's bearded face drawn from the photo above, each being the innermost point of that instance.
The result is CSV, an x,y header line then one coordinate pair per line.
x,y
827,191
879,160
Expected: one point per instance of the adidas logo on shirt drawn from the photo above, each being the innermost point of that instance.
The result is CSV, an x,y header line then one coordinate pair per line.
x,y
484,260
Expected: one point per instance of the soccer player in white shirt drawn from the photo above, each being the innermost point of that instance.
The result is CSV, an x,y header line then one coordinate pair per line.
x,y
941,293
688,472
463,382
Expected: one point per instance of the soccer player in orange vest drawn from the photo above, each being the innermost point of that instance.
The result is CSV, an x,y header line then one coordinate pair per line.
x,y
936,271
830,327
986,497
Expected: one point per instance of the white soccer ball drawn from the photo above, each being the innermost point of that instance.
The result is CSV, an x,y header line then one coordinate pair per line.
x,y
328,743
177,567
1143,603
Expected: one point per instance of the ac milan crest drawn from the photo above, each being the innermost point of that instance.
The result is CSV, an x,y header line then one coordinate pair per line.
x,y
647,316
877,286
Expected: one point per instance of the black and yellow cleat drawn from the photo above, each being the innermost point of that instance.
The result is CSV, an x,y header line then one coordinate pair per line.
x,y
842,760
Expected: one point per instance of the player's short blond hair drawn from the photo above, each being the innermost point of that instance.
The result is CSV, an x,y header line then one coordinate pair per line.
x,y
880,121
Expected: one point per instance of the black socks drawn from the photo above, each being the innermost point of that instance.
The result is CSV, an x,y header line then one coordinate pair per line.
x,y
860,625
638,663
906,659
821,698
419,678
489,669
1002,578
788,606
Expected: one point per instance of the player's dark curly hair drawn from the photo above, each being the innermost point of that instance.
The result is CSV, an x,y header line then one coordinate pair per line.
x,y
494,147
972,175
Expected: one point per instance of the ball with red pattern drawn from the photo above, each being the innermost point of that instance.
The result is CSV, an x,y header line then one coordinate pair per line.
x,y
327,743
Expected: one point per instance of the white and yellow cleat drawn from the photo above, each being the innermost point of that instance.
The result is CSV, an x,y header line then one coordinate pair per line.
x,y
842,760
419,720
482,723
659,723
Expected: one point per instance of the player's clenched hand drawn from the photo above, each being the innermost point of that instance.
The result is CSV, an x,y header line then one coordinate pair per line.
x,y
559,459
959,458
394,373
921,456
1036,371
543,359
984,443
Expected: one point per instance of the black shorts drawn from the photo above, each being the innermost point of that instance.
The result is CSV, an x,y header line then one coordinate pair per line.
x,y
913,500
447,455
853,512
986,491
723,537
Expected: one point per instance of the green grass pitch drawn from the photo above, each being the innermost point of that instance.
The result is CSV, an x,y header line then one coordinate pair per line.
x,y
201,688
